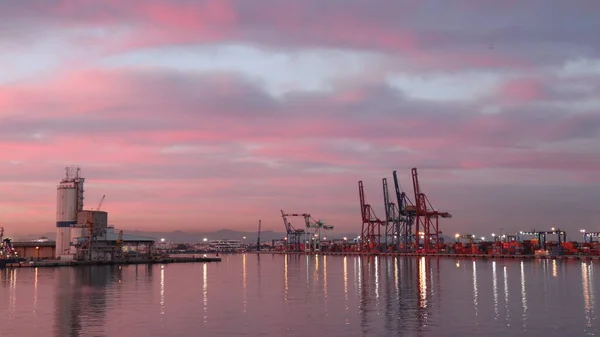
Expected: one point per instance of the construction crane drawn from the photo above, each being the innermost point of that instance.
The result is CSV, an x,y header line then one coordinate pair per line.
x,y
427,219
294,236
370,234
100,203
406,216
316,226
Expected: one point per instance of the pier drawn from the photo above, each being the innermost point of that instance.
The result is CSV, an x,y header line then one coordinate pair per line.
x,y
59,263
449,255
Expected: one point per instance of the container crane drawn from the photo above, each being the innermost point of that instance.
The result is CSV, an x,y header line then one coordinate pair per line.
x,y
407,213
427,219
392,219
541,236
370,235
294,236
317,226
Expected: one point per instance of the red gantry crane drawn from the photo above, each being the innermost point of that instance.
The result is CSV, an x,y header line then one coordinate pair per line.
x,y
371,225
426,219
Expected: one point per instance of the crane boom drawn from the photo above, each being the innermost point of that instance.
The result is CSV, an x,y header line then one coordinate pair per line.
x,y
101,202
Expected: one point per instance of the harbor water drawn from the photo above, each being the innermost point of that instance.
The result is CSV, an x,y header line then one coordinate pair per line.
x,y
305,295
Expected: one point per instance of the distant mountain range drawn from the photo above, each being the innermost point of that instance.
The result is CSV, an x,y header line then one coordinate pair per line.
x,y
195,237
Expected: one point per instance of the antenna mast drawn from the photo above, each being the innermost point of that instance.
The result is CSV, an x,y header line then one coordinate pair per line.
x,y
258,238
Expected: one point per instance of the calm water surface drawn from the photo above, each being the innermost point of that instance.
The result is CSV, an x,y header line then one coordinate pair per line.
x,y
276,295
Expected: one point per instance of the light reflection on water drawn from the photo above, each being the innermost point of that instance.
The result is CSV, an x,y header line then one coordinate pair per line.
x,y
319,295
523,294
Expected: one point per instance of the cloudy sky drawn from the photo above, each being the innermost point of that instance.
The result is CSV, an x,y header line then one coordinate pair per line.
x,y
200,115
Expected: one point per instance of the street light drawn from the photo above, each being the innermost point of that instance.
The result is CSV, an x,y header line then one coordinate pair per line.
x,y
37,252
162,240
583,233
204,240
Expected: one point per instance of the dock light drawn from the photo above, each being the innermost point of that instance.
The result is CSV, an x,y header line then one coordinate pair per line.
x,y
457,235
345,238
162,240
324,238
493,235
244,238
582,230
205,239
483,238
553,229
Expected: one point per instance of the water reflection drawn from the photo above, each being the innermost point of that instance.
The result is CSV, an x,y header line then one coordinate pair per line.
x,y
346,296
407,292
365,277
506,309
285,277
588,293
244,280
523,294
475,292
422,283
162,289
205,291
35,290
149,273
81,299
495,290
325,277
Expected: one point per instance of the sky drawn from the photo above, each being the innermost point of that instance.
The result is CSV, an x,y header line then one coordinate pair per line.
x,y
204,115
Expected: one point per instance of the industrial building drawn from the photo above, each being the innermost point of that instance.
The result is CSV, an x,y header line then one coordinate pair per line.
x,y
35,250
85,235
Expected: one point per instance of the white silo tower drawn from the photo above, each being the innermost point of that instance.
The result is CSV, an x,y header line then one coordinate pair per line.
x,y
69,201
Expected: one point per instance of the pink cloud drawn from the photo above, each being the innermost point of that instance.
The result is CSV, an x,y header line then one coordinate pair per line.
x,y
522,90
182,150
385,27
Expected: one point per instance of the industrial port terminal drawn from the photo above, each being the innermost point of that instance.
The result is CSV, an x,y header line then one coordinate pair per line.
x,y
408,228
413,229
84,237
